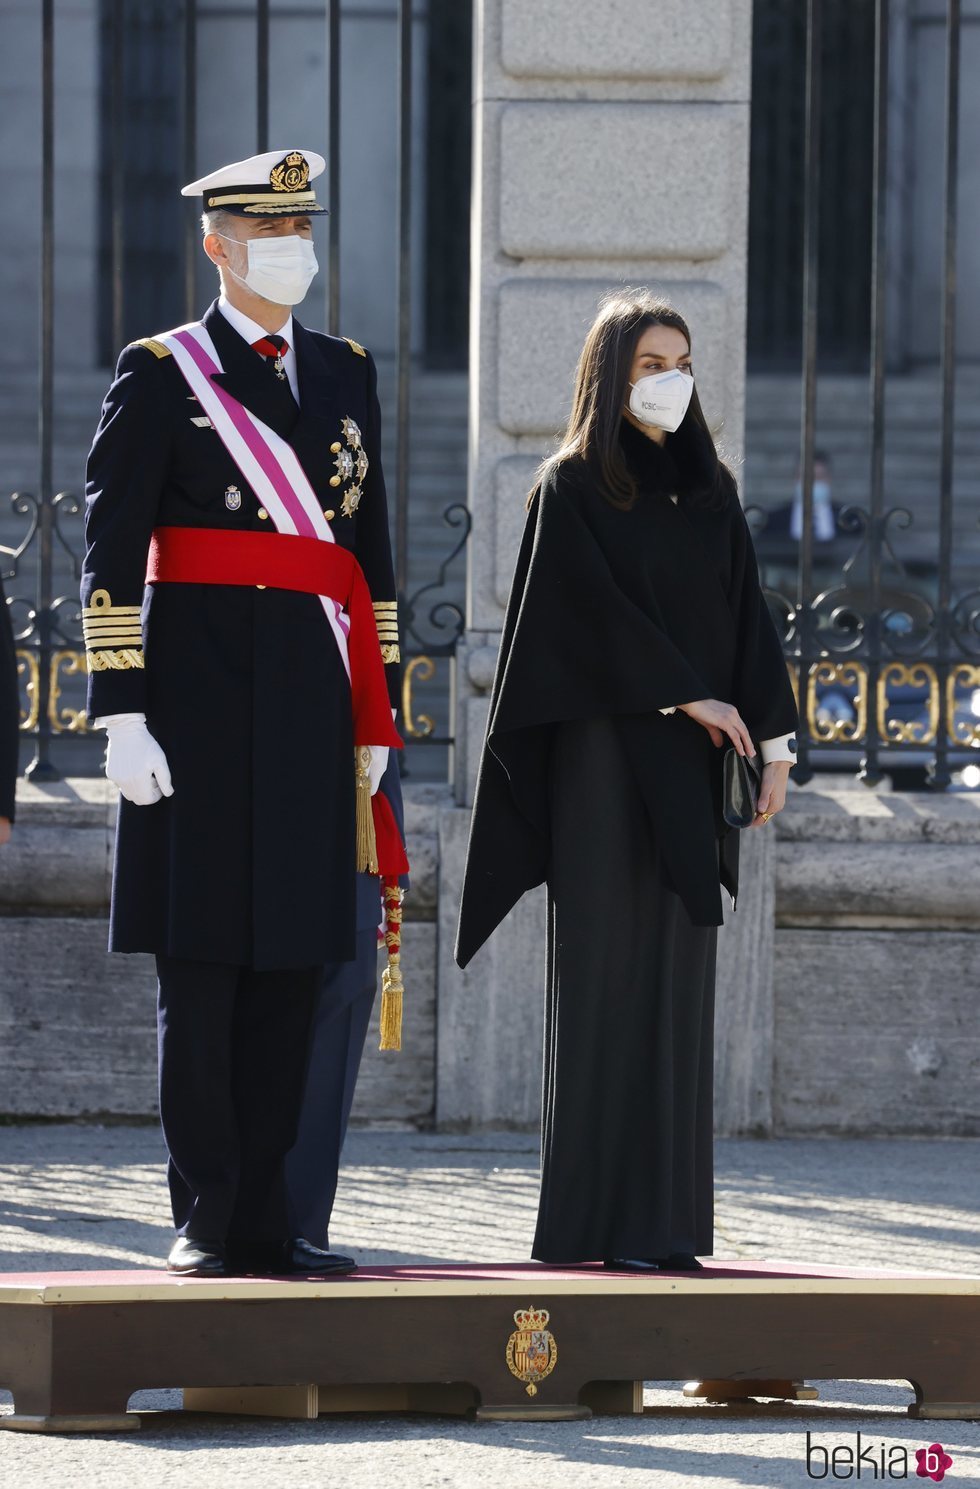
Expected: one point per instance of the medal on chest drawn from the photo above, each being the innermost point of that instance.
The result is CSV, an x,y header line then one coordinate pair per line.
x,y
351,465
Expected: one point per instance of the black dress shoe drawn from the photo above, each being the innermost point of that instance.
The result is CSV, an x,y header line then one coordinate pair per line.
x,y
680,1261
631,1264
190,1257
301,1258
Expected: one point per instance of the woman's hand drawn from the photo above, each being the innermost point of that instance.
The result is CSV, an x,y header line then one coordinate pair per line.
x,y
720,720
772,790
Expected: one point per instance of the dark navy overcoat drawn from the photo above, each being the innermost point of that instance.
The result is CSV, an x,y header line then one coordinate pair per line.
x,y
251,861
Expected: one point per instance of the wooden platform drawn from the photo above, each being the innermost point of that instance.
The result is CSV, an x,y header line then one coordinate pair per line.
x,y
522,1341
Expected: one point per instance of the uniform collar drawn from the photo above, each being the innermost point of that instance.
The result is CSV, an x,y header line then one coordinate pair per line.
x,y
249,329
244,375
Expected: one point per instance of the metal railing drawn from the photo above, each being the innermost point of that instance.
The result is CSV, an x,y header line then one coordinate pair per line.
x,y
47,625
872,636
905,655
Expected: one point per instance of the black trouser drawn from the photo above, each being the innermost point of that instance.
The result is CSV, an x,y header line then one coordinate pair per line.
x,y
233,1046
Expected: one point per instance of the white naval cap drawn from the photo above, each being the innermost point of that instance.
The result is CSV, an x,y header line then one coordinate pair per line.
x,y
263,185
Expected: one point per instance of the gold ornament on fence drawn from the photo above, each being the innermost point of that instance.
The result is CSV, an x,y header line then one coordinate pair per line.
x,y
825,731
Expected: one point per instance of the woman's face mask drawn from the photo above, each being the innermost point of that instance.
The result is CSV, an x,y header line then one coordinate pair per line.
x,y
279,269
661,398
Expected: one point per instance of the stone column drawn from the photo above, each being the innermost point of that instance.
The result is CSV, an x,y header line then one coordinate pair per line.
x,y
611,148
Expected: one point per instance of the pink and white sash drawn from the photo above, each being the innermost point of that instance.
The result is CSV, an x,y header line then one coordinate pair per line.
x,y
268,462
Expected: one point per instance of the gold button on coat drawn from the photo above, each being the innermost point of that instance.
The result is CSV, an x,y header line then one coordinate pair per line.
x,y
260,586
335,480
330,514
336,447
263,514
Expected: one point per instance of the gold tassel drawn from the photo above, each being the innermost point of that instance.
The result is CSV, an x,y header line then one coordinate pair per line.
x,y
391,1005
392,987
367,847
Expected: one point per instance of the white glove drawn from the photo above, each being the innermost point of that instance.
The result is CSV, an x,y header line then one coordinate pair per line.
x,y
134,761
379,761
377,766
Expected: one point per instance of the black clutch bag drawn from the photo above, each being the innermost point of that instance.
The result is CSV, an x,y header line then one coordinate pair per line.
x,y
741,780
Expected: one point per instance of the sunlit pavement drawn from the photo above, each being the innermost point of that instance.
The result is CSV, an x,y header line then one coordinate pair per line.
x,y
84,1197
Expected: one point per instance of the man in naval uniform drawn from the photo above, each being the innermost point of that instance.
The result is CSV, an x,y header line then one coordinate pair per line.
x,y
220,669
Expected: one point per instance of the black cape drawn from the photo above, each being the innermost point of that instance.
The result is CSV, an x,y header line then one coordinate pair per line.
x,y
623,613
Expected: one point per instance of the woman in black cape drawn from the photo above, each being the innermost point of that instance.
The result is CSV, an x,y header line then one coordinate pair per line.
x,y
637,643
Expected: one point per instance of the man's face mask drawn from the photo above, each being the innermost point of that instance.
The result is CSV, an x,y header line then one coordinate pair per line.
x,y
661,398
279,269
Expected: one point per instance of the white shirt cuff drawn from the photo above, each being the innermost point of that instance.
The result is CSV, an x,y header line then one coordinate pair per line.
x,y
671,709
778,748
118,718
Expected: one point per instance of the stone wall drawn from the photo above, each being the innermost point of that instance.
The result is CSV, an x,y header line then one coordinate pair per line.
x,y
876,974
846,992
847,984
77,1025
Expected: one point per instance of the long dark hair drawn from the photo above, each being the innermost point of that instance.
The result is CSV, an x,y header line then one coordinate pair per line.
x,y
601,380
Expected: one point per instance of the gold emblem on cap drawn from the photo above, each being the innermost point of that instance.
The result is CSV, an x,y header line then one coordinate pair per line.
x,y
291,174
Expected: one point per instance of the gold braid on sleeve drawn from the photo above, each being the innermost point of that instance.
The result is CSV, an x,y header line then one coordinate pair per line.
x,y
386,618
113,634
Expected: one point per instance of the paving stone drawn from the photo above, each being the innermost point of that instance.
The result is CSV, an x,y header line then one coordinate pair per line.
x,y
77,1196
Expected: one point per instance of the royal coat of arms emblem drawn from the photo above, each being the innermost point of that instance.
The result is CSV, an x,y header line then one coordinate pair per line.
x,y
532,1352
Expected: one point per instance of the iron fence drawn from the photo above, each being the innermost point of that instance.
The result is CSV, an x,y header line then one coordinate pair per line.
x,y
900,644
901,649
47,555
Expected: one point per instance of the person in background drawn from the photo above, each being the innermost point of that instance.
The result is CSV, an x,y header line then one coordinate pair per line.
x,y
824,519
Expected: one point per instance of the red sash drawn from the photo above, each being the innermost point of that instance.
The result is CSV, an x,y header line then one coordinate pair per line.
x,y
195,555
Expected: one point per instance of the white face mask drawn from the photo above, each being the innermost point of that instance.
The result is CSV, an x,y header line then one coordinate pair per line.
x,y
279,269
661,398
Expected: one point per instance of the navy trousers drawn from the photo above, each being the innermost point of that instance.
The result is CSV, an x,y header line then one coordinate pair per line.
x,y
233,1048
342,1012
341,1016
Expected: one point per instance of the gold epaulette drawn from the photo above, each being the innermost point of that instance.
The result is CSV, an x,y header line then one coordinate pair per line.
x,y
113,634
156,347
355,346
386,617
